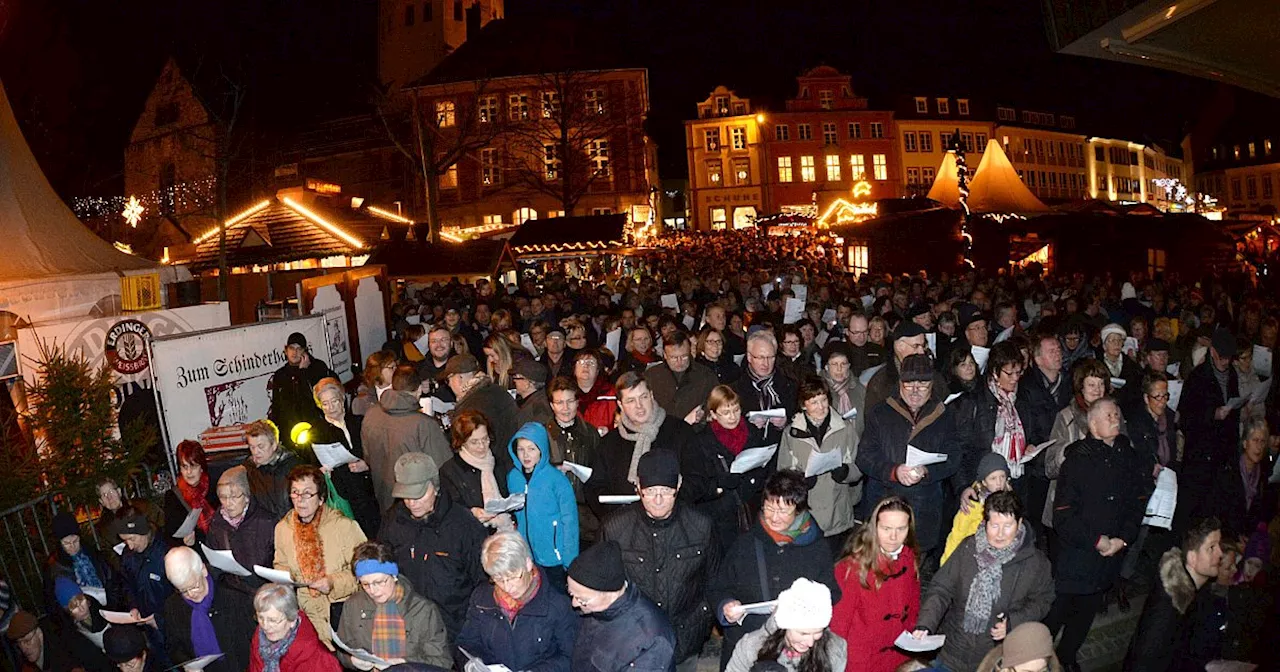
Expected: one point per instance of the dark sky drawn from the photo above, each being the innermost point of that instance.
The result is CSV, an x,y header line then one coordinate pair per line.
x,y
79,70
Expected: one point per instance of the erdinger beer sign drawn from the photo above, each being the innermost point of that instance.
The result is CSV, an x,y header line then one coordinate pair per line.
x,y
126,346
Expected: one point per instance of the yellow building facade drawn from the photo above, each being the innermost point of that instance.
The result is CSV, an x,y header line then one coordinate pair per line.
x,y
1051,163
922,144
726,163
1120,170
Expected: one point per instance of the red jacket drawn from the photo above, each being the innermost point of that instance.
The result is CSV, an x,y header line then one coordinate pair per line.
x,y
598,406
306,654
860,615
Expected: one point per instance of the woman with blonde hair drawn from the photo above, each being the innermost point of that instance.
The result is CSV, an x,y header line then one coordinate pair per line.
x,y
877,331
499,359
731,503
879,581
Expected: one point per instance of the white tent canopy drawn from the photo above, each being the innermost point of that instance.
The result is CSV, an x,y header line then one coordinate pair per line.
x,y
946,187
996,186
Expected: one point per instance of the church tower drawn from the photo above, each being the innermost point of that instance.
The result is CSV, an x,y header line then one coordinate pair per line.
x,y
415,35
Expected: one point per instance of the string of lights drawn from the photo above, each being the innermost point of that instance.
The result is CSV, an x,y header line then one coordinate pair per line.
x,y
181,197
962,185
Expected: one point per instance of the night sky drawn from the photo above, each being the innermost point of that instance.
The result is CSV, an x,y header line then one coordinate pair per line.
x,y
78,71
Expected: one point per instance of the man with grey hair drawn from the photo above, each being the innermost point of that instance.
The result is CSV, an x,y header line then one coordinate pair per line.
x,y
242,527
203,618
530,380
764,388
520,621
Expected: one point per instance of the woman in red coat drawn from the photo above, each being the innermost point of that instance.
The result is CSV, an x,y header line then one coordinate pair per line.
x,y
879,586
597,398
285,640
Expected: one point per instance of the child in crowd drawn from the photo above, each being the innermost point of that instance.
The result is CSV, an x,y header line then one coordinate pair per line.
x,y
992,476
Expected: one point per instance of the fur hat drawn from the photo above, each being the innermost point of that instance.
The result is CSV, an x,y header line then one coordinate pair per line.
x,y
1027,642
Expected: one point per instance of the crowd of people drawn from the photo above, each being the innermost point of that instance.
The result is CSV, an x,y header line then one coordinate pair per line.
x,y
734,440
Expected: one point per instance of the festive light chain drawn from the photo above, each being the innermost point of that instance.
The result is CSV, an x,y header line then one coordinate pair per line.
x,y
184,197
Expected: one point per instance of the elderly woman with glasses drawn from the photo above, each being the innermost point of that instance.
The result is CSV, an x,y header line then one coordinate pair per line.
x,y
518,621
285,640
351,480
315,543
243,528
203,617
387,618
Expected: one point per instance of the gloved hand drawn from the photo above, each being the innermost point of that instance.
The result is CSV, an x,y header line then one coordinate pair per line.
x,y
840,473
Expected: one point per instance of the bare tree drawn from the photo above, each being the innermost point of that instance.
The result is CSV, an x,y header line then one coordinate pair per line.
x,y
434,140
561,143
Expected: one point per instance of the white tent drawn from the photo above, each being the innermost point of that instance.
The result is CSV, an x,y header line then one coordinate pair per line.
x,y
946,187
53,266
996,186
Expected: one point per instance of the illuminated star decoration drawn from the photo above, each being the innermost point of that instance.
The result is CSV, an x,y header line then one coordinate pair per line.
x,y
133,211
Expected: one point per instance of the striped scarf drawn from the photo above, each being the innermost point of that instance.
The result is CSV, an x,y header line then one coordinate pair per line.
x,y
388,628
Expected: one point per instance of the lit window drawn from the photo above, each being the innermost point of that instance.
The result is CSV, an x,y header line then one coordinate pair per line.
x,y
808,171
855,131
714,170
1266,147
909,141
826,99
598,154
1253,150
833,168
523,215
722,105
877,129
881,168
444,113
922,105
927,175
518,104
550,104
712,138
944,106
551,161
926,141
449,178
804,131
829,133
552,214
858,259
967,139
488,109
595,211
744,216
739,108
913,176
784,169
595,101
492,220
719,218
857,167
1236,152
742,171
1155,261
782,132
962,106
980,140
738,137
489,174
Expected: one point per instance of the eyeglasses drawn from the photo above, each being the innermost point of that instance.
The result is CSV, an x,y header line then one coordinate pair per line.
x,y
1012,373
192,590
509,578
303,496
1158,397
272,622
778,510
658,492
916,387
377,583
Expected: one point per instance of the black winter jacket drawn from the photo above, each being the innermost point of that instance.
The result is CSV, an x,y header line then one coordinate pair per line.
x,y
733,500
1162,641
787,391
670,561
1210,443
1228,502
679,397
234,621
439,554
1144,433
252,543
613,460
1102,491
269,484
461,482
632,634
1039,403
500,410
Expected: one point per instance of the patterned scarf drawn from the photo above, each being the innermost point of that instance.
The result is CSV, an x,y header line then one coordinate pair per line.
x,y
197,497
388,628
512,605
734,440
272,652
643,438
86,574
984,590
308,546
1010,439
766,396
798,527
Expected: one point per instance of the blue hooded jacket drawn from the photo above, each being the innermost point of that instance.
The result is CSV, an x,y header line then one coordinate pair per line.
x,y
549,519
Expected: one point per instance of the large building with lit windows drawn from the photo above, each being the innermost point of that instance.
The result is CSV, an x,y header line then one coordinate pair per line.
x,y
1123,171
822,149
1046,150
926,128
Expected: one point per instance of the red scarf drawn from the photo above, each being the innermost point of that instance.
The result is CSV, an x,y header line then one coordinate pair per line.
x,y
197,497
733,439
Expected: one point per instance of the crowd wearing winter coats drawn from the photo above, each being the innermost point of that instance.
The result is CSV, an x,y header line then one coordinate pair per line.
x,y
569,474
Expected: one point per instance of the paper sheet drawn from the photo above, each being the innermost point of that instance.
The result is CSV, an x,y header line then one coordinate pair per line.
x,y
1173,368
867,300
275,575
582,472
762,608
851,414
200,663
1118,383
931,340
124,617
509,503
793,311
869,374
188,524
441,407
1229,666
801,292
980,355
360,653
413,318
688,322
224,560
421,344
671,301
98,594
1035,450
615,299
752,458
927,643
765,289
821,339
619,499
829,316
333,455
770,413
491,668
1236,402
1260,392
737,359
527,341
921,458
821,463
1163,502
118,548
612,341
953,396
1004,335
1175,393
1262,360
1130,346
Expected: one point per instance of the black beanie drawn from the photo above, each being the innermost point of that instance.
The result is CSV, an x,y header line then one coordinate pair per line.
x,y
599,567
65,525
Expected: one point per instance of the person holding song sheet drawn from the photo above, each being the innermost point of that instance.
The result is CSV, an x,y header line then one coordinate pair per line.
x,y
81,563
732,503
350,478
192,491
549,518
386,618
470,478
817,432
244,528
285,640
203,617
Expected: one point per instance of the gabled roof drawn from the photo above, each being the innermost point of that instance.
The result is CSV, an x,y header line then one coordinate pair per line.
x,y
569,234
996,186
42,237
468,259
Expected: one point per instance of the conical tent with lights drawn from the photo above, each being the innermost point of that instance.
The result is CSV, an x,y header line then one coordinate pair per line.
x,y
946,186
996,186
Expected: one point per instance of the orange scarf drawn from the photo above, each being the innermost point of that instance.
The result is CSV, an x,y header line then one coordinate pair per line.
x,y
308,546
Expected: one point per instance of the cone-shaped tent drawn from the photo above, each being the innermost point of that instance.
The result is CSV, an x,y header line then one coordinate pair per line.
x,y
996,186
946,188
42,237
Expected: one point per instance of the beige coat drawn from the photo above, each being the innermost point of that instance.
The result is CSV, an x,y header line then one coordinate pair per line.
x,y
830,501
340,536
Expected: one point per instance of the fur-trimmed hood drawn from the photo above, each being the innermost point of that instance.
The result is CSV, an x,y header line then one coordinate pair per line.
x,y
1176,581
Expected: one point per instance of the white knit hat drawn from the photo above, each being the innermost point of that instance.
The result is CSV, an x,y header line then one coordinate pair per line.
x,y
1127,291
1113,328
806,605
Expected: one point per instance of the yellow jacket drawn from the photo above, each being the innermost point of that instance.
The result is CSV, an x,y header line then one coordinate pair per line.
x,y
965,525
339,535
